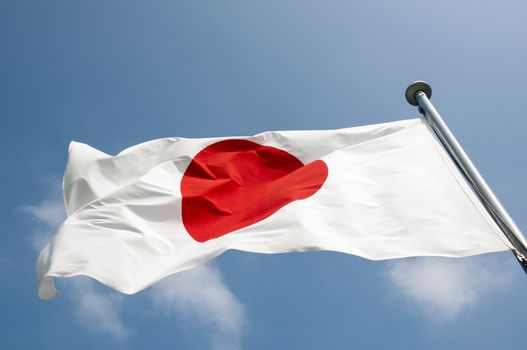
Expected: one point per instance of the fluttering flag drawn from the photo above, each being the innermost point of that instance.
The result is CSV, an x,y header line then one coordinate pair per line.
x,y
379,191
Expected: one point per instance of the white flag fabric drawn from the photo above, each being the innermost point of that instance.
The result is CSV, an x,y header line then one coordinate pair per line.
x,y
379,191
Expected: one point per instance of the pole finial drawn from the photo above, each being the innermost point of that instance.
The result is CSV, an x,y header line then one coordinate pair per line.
x,y
414,88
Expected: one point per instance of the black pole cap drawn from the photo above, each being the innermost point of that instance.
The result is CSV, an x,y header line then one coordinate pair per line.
x,y
414,88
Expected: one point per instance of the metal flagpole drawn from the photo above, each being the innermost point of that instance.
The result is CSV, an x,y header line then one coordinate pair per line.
x,y
418,94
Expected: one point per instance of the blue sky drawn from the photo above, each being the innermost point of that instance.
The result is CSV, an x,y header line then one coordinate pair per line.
x,y
116,73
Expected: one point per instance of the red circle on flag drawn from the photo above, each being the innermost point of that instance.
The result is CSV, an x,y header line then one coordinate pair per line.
x,y
235,183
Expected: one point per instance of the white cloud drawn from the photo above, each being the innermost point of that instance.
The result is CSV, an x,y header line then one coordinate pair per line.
x,y
99,312
96,311
200,295
49,214
442,287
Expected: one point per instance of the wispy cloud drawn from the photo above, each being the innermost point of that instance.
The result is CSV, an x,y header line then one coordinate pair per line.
x,y
96,311
48,214
442,287
201,295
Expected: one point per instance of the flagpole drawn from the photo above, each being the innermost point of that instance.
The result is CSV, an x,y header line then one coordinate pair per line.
x,y
418,94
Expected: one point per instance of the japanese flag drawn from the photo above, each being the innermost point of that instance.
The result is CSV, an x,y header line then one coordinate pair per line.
x,y
380,191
